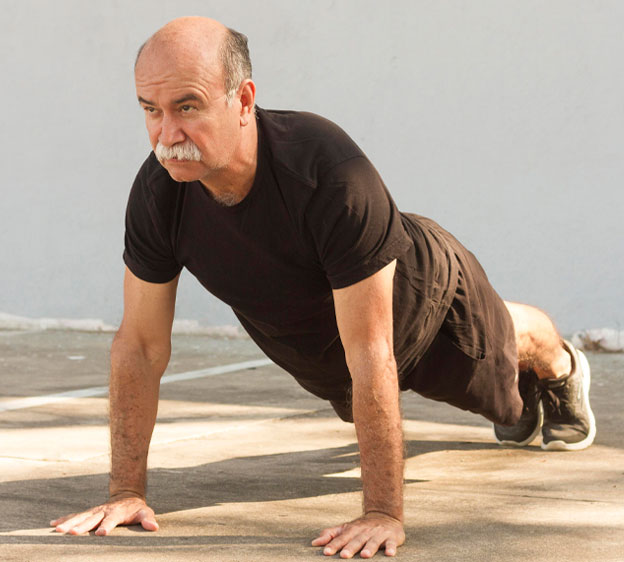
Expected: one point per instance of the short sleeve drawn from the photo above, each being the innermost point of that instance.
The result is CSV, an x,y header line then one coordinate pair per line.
x,y
354,223
148,252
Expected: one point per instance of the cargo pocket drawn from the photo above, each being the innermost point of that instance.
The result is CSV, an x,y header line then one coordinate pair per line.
x,y
466,320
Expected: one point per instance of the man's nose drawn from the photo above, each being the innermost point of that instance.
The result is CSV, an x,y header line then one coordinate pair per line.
x,y
170,132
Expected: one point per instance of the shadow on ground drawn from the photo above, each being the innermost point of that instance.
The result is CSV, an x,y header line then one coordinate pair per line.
x,y
260,478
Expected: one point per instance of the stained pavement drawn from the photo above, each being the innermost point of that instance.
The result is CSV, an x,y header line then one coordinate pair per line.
x,y
248,466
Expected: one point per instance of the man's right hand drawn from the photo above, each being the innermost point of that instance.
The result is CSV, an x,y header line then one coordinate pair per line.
x,y
105,517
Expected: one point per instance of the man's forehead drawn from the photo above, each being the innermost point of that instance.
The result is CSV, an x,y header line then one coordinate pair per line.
x,y
184,64
181,76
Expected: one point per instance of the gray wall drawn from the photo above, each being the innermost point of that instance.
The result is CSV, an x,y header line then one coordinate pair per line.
x,y
503,120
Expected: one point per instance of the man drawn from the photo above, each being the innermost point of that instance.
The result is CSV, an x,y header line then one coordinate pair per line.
x,y
281,215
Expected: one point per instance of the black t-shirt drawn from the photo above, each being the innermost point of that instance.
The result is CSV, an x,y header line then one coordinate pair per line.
x,y
318,217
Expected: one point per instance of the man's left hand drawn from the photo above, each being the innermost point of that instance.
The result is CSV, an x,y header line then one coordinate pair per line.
x,y
365,535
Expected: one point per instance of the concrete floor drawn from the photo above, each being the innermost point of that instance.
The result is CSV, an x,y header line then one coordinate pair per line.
x,y
247,466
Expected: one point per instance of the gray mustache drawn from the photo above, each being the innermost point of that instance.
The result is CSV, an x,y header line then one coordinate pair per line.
x,y
182,151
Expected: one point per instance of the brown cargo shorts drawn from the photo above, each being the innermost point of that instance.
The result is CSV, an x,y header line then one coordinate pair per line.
x,y
473,361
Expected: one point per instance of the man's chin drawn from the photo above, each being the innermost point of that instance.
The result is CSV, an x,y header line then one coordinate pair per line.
x,y
182,170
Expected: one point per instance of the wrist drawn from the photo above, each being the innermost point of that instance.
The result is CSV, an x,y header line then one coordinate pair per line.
x,y
124,494
376,513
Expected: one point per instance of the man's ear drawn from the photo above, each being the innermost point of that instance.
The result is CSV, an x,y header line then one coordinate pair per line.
x,y
247,96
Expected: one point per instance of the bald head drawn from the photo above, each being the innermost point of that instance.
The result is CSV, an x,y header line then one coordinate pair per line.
x,y
204,40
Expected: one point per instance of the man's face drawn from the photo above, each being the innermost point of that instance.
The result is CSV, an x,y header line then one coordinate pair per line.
x,y
185,104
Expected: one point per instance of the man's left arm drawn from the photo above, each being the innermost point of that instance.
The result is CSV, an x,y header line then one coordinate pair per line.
x,y
364,317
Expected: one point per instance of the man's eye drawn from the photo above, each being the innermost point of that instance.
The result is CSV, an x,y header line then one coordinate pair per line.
x,y
186,108
148,109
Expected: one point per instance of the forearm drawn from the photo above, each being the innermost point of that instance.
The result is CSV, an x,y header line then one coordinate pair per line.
x,y
134,385
377,417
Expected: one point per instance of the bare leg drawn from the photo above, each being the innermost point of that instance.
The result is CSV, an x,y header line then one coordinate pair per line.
x,y
539,344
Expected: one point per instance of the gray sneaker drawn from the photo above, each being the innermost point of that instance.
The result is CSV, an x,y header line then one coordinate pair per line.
x,y
530,422
569,423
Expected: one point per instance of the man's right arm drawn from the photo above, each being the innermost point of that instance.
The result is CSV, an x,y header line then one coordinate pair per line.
x,y
139,356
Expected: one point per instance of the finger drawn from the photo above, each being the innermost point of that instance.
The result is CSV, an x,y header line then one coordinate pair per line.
x,y
327,535
88,524
339,542
72,520
108,524
148,520
371,547
353,546
145,516
391,547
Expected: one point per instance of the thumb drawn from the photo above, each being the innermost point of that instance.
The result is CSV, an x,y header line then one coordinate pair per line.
x,y
147,520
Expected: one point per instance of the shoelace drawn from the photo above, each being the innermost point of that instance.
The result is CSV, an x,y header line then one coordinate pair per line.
x,y
531,394
553,400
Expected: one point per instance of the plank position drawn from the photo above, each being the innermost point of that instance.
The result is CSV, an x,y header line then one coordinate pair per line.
x,y
281,215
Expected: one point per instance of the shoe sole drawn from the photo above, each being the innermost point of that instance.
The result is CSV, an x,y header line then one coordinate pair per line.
x,y
538,427
559,445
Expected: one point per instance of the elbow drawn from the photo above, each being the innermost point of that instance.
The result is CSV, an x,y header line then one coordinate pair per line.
x,y
128,349
371,360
